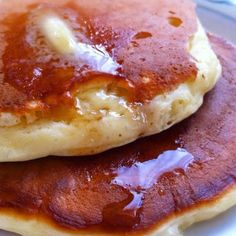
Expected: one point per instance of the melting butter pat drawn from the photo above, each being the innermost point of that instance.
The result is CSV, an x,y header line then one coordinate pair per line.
x,y
63,40
58,34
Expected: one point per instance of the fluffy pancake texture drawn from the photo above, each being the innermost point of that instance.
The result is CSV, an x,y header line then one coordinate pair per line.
x,y
106,118
117,193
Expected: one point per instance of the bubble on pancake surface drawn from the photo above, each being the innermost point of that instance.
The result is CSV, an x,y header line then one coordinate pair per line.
x,y
142,35
175,21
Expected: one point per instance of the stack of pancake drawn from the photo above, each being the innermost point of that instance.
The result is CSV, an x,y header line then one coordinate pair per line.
x,y
80,81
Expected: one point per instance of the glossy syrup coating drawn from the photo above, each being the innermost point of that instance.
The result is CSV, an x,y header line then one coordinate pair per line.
x,y
147,41
137,186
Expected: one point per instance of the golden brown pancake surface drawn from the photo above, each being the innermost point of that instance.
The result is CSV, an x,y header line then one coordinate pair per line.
x,y
148,41
134,187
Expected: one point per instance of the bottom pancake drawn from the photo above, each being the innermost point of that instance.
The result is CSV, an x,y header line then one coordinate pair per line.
x,y
155,186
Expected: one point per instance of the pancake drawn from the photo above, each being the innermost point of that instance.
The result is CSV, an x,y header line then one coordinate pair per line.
x,y
81,77
155,186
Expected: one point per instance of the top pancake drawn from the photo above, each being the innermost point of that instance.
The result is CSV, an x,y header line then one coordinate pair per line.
x,y
139,189
147,41
78,78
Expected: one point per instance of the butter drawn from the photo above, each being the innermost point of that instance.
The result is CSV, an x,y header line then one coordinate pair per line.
x,y
58,34
61,37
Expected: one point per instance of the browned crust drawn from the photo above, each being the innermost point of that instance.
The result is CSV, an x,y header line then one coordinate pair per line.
x,y
74,194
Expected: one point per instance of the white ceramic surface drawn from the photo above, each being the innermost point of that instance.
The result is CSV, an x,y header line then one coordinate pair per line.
x,y
220,19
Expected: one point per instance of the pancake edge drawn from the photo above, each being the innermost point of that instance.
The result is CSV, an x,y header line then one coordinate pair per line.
x,y
174,225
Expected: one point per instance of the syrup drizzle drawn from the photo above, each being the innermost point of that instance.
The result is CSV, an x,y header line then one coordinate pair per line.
x,y
141,176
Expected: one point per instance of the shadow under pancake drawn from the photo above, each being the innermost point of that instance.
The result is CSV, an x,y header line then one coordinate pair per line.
x,y
131,188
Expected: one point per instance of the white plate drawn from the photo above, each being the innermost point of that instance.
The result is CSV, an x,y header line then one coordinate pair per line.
x,y
220,19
